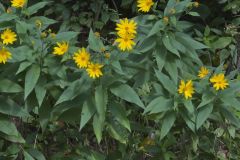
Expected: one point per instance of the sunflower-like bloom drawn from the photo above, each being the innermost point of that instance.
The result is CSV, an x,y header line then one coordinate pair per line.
x,y
61,48
81,58
144,5
125,43
4,55
94,70
18,3
8,36
219,81
186,89
126,27
203,72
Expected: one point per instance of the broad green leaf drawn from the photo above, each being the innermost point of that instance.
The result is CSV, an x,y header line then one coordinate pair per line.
x,y
160,55
45,21
23,66
40,91
230,116
7,127
95,42
98,125
207,98
168,122
27,156
189,106
125,92
167,43
167,83
66,36
171,68
34,8
31,79
120,115
158,105
101,99
195,14
188,41
156,28
36,154
203,114
87,112
117,132
8,86
7,17
222,42
9,107
75,88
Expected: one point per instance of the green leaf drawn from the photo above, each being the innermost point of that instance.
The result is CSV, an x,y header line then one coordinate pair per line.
x,y
27,156
36,154
101,99
120,115
8,86
98,125
169,46
31,79
7,17
66,36
207,98
34,8
230,116
8,128
23,66
158,105
117,132
156,28
222,42
9,107
171,68
75,88
125,92
167,83
203,114
40,92
189,106
188,41
87,112
168,122
95,42
195,14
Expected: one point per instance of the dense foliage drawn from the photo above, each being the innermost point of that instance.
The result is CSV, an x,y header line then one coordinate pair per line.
x,y
119,79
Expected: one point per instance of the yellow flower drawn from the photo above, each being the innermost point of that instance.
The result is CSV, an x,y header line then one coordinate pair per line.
x,y
18,3
186,89
81,58
125,43
8,36
4,55
144,5
61,48
203,72
219,81
94,70
126,26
